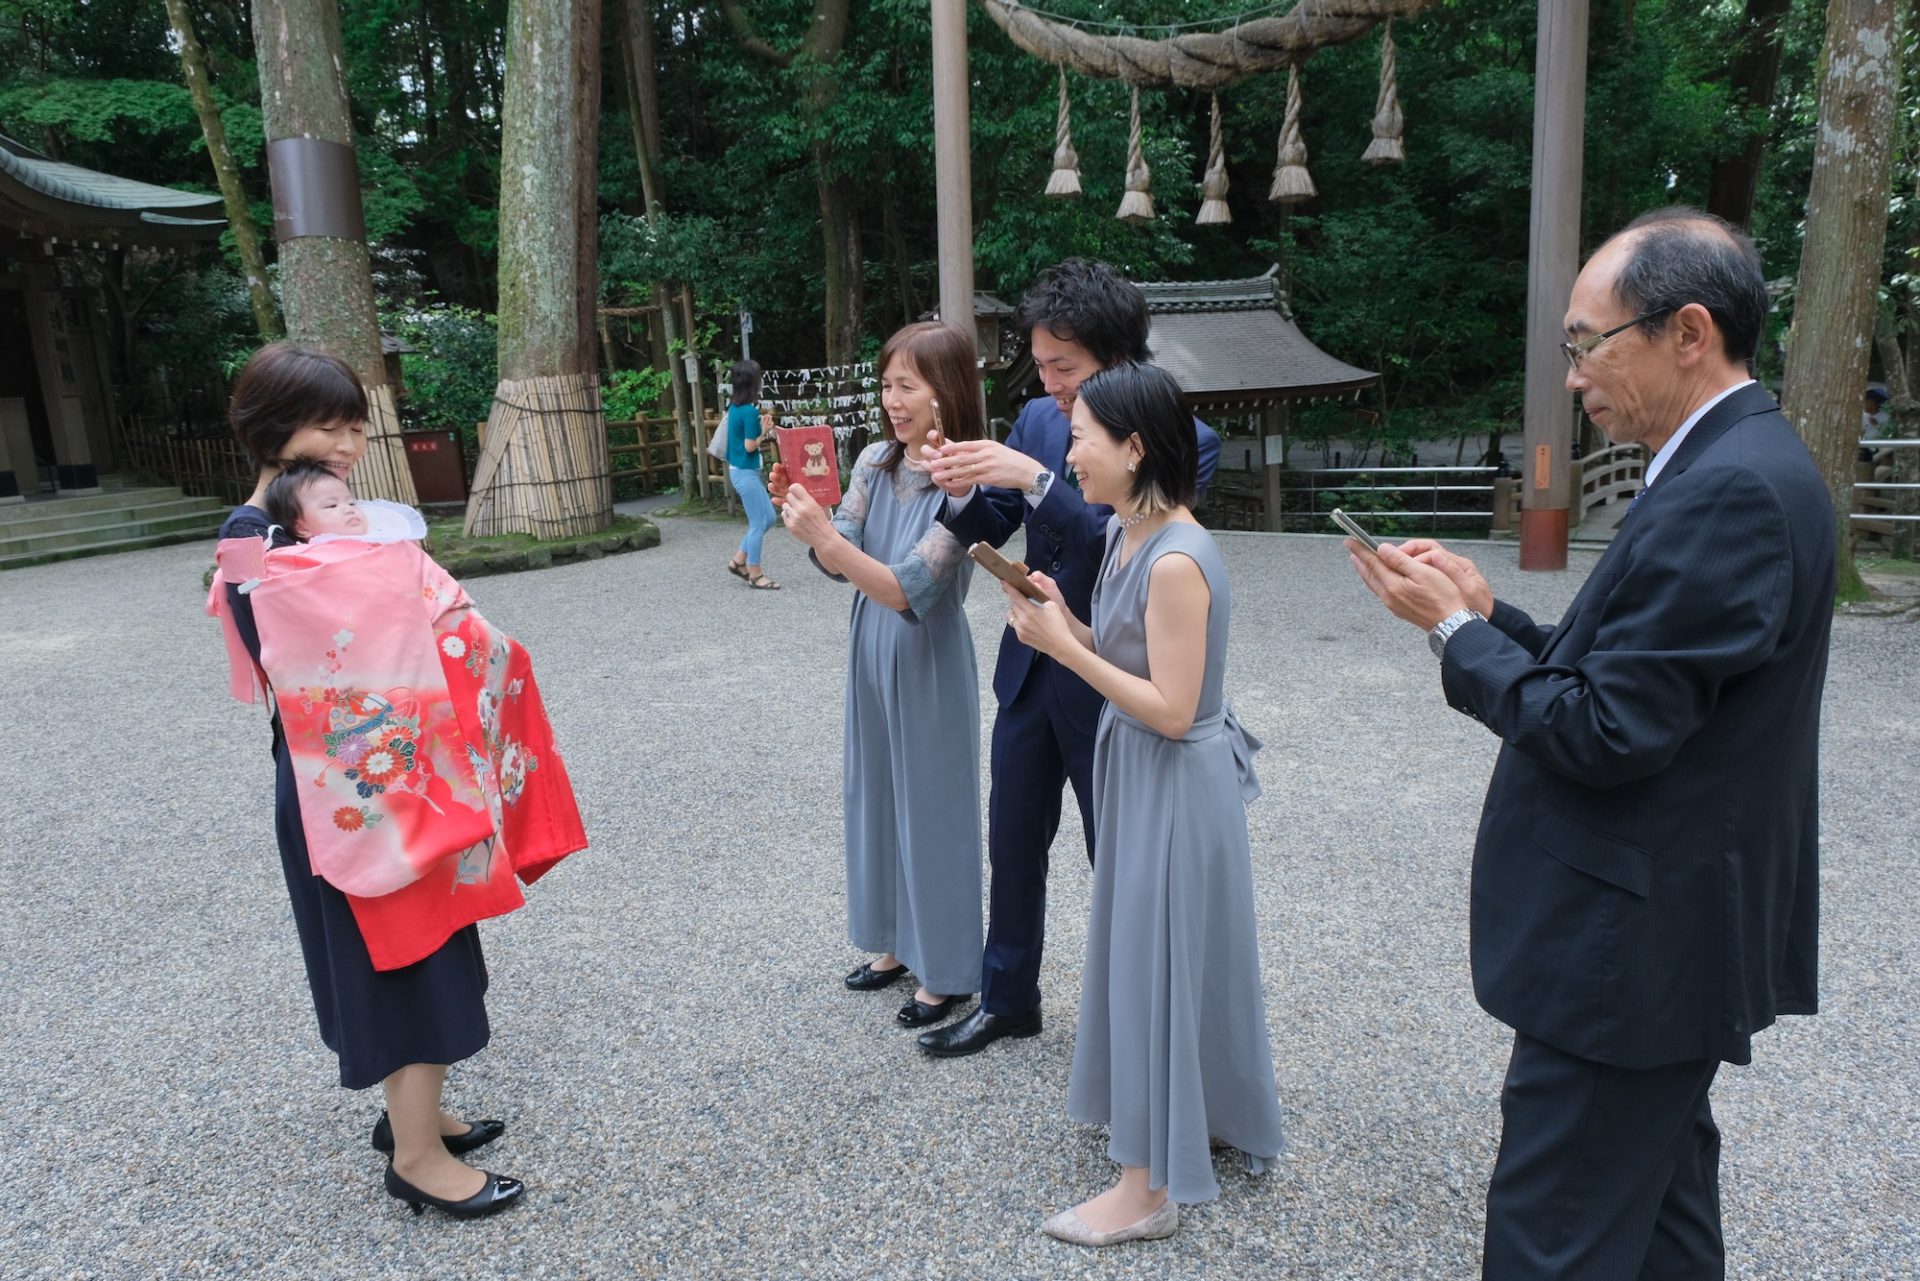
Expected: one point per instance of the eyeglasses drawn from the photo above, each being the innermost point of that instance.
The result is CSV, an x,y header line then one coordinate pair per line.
x,y
1577,351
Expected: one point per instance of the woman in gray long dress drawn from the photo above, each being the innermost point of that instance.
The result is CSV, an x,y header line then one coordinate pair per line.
x,y
911,782
1171,1050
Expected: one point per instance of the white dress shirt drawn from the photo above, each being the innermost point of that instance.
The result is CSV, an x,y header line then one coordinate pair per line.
x,y
1673,442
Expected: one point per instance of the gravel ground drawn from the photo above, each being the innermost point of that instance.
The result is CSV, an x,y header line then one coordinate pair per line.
x,y
691,1091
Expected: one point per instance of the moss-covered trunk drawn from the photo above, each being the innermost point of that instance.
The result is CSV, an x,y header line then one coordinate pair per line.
x,y
543,464
326,280
1834,307
246,237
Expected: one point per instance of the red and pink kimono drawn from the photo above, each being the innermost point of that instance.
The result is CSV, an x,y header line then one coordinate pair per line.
x,y
429,785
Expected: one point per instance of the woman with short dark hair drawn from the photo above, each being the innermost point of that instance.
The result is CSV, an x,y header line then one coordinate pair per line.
x,y
396,1028
1171,1050
911,764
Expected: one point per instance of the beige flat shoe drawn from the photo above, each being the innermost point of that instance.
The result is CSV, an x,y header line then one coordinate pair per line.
x,y
1066,1226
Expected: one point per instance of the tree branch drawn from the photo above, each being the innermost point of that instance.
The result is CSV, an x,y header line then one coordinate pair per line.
x,y
750,38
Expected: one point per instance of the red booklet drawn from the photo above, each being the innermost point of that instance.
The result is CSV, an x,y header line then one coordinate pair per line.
x,y
812,460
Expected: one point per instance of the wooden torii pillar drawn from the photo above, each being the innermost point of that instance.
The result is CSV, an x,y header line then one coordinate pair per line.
x,y
1553,259
952,162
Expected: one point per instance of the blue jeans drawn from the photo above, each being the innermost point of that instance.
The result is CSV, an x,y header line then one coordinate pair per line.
x,y
752,489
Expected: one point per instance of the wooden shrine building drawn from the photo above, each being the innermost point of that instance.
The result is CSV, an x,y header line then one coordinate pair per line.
x,y
56,389
1235,353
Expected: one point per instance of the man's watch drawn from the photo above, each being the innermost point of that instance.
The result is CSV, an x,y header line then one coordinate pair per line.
x,y
1041,479
1437,638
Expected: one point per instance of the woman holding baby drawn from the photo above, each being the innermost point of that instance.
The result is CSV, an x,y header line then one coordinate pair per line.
x,y
301,416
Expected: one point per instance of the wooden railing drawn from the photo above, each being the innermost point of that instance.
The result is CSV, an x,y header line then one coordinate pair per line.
x,y
200,464
1886,510
653,447
1605,475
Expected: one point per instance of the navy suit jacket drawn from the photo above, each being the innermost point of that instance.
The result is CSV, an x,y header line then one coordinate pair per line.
x,y
1066,535
1645,882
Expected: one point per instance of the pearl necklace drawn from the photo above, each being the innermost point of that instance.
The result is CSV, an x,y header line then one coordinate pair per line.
x,y
1128,522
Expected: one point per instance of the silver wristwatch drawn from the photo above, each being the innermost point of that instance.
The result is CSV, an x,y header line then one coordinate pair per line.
x,y
1437,638
1041,479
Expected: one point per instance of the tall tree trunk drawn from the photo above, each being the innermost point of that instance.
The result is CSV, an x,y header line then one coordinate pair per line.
x,y
633,26
1846,233
326,280
1901,363
1756,66
902,258
844,278
543,464
841,260
246,237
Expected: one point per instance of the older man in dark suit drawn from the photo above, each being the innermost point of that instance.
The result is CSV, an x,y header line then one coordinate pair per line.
x,y
1645,892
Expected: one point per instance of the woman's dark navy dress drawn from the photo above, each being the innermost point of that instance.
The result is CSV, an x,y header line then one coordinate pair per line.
x,y
433,1011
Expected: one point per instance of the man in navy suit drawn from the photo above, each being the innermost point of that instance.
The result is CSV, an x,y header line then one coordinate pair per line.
x,y
1080,317
1645,882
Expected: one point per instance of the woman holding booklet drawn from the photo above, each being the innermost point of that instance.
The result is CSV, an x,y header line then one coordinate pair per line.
x,y
911,778
1171,1050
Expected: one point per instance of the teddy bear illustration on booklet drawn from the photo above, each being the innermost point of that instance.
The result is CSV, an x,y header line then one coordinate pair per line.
x,y
808,457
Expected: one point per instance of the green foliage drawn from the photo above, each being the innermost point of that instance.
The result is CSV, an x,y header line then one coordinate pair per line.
x,y
197,320
452,374
1417,271
627,394
99,110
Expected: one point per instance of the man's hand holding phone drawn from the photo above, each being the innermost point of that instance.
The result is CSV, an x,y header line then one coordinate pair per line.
x,y
1464,573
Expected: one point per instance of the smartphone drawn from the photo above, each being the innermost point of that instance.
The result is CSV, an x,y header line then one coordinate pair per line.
x,y
1346,522
1007,571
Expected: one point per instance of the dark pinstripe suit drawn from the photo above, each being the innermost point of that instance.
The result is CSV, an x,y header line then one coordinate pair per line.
x,y
1645,877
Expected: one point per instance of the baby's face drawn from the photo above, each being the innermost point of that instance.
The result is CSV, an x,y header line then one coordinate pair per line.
x,y
327,507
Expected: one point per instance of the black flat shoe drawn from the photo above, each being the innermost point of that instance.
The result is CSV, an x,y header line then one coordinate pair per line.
x,y
977,1031
917,1013
499,1193
478,1135
868,979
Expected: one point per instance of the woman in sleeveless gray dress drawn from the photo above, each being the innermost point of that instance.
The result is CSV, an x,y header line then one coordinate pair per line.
x,y
911,779
1171,1050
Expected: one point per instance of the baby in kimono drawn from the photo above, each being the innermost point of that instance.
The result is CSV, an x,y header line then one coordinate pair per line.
x,y
307,500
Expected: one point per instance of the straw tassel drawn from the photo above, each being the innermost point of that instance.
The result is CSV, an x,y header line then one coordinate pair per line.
x,y
1137,204
1213,209
1065,180
1386,147
1291,181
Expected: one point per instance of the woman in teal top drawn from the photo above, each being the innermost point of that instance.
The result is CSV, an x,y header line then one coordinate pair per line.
x,y
743,471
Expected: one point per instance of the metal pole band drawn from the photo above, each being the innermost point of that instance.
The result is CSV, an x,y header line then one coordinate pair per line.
x,y
316,190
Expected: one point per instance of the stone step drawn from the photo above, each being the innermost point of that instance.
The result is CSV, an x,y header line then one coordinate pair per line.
x,y
113,500
103,549
198,524
42,518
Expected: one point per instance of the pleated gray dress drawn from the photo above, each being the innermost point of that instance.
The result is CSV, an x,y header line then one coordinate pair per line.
x,y
911,776
1172,1047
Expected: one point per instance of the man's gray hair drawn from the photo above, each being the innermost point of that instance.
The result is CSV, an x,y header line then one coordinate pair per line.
x,y
1681,255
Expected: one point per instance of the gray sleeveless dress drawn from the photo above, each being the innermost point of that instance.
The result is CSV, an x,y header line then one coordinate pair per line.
x,y
1172,1047
911,769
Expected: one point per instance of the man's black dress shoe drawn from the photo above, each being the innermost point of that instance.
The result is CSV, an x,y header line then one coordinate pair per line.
x,y
917,1013
478,1135
495,1195
868,979
977,1031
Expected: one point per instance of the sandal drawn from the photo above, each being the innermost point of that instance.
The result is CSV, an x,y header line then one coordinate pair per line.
x,y
738,569
761,583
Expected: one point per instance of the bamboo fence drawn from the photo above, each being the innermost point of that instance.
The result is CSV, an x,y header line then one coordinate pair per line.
x,y
544,465
203,465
